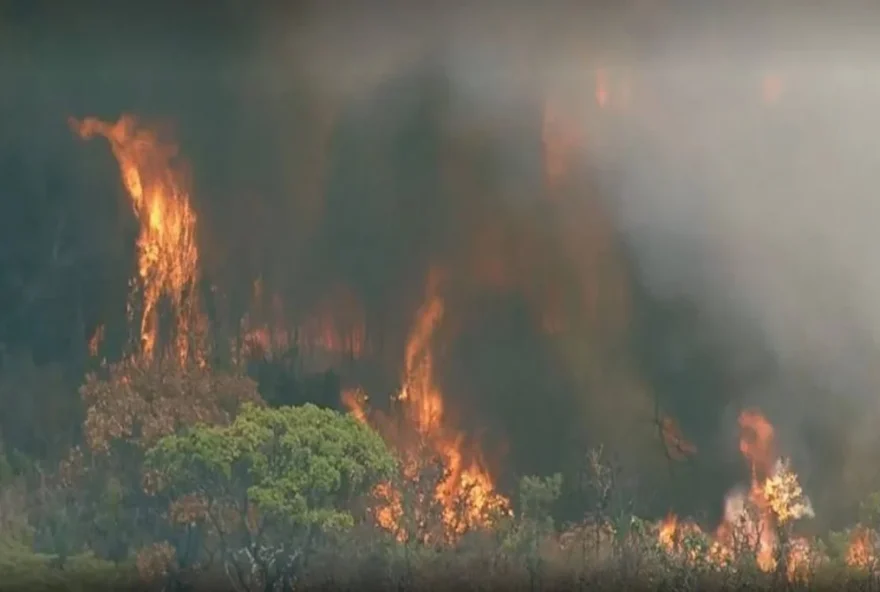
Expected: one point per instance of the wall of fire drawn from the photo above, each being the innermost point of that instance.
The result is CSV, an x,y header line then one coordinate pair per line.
x,y
550,343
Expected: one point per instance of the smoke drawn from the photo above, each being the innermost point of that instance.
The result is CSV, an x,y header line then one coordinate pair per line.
x,y
741,176
731,175
760,210
763,215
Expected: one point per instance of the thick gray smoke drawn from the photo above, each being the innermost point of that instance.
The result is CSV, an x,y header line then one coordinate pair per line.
x,y
742,172
764,212
735,156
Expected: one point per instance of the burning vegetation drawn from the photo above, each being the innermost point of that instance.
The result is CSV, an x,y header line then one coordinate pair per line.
x,y
168,274
421,432
756,520
187,457
168,254
166,384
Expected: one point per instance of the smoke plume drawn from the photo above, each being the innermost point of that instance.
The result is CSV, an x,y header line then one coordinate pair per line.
x,y
709,244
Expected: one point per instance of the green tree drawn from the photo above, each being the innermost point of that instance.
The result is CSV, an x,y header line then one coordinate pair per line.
x,y
534,521
270,485
96,499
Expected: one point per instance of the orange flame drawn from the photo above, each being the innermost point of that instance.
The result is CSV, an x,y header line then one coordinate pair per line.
x,y
678,447
355,400
758,446
168,255
668,528
264,333
799,560
673,533
466,492
337,327
757,443
753,516
861,551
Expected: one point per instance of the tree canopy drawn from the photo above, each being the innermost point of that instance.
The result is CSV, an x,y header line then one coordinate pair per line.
x,y
300,464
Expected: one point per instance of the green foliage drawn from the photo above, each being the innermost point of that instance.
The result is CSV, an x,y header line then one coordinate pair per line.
x,y
7,471
537,496
299,464
22,568
269,486
534,521
869,510
838,543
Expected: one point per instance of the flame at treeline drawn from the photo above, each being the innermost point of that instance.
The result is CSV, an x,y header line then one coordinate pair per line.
x,y
168,274
167,250
754,517
418,424
422,431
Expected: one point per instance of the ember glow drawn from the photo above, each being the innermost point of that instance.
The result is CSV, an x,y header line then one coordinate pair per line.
x,y
264,328
337,326
335,329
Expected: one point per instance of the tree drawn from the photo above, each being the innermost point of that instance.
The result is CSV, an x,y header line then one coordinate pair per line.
x,y
267,487
96,500
534,521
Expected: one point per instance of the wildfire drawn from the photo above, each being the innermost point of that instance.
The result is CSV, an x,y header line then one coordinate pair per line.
x,y
355,400
752,517
784,496
168,255
677,446
861,551
673,535
799,560
264,333
337,327
756,443
466,491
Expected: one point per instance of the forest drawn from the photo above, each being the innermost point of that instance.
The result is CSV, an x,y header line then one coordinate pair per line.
x,y
308,297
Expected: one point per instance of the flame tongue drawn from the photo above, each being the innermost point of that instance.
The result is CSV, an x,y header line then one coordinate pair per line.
x,y
424,402
168,255
756,443
753,515
466,492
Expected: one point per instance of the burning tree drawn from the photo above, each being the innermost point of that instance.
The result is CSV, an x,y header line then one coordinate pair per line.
x,y
756,520
421,432
168,255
